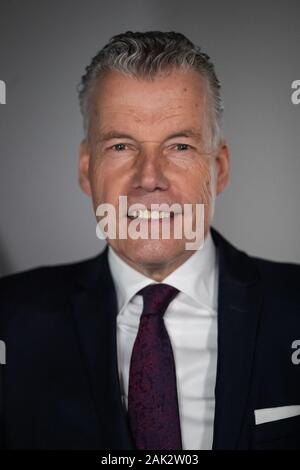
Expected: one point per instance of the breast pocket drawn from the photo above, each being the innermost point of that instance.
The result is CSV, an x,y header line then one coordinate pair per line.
x,y
281,434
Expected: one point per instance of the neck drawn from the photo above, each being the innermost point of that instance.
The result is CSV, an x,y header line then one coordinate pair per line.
x,y
158,272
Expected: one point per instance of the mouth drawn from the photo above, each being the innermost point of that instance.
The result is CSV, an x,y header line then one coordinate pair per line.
x,y
147,214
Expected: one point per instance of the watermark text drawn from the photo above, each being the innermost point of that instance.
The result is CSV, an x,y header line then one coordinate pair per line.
x,y
2,92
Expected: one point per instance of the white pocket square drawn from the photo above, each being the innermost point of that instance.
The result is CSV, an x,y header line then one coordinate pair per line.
x,y
266,415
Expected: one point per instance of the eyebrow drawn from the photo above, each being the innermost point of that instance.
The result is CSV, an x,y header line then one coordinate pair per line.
x,y
186,133
120,135
113,135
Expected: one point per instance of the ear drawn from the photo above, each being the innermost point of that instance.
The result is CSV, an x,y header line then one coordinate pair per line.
x,y
222,167
84,161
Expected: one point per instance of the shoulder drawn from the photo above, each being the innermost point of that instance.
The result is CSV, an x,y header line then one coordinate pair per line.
x,y
280,277
45,288
277,279
279,286
58,277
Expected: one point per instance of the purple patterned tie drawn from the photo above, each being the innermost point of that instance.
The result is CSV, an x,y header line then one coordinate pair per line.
x,y
152,396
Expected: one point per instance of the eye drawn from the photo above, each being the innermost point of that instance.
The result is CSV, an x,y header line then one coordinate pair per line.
x,y
119,147
182,147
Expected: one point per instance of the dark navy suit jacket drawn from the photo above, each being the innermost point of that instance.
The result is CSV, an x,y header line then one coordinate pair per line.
x,y
60,386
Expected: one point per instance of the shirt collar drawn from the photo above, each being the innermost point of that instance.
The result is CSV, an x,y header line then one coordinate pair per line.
x,y
196,277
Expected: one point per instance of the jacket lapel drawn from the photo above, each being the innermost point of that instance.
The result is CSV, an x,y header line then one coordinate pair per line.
x,y
95,311
239,303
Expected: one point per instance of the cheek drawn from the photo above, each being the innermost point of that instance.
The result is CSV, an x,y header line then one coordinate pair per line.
x,y
196,182
107,183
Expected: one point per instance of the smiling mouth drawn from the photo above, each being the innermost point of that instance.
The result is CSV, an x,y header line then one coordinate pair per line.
x,y
150,215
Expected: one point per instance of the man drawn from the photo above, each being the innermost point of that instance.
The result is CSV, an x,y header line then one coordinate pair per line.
x,y
151,345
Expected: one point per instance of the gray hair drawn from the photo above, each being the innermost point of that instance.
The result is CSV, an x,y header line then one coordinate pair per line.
x,y
145,55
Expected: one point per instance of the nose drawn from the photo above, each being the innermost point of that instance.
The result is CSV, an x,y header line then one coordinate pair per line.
x,y
150,173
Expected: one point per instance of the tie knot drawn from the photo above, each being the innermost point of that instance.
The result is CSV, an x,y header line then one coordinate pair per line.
x,y
157,297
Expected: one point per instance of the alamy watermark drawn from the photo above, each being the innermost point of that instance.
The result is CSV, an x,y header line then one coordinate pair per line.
x,y
295,96
296,354
159,221
2,92
2,352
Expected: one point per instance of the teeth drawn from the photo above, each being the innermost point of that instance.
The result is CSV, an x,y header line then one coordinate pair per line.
x,y
146,214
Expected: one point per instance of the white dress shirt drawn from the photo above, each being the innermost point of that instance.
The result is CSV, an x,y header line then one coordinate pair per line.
x,y
191,322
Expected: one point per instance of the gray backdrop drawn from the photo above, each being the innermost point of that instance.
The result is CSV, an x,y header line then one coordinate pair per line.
x,y
44,47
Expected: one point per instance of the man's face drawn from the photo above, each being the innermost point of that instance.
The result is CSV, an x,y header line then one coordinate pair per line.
x,y
148,141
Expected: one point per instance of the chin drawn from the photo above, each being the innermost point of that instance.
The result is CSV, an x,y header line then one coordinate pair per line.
x,y
150,252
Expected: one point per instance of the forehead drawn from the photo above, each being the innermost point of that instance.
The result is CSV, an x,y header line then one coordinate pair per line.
x,y
176,95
